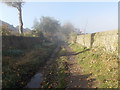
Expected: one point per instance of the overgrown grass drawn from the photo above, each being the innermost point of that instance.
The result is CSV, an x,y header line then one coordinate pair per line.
x,y
103,66
56,73
17,71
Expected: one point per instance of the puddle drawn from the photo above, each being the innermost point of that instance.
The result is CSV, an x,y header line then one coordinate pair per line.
x,y
35,81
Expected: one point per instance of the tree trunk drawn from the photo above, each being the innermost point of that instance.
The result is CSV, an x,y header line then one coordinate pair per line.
x,y
20,20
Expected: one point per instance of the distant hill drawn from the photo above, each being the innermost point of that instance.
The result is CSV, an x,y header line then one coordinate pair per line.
x,y
11,27
14,29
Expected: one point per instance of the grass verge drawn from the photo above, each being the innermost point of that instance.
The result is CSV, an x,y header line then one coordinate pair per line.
x,y
103,66
56,73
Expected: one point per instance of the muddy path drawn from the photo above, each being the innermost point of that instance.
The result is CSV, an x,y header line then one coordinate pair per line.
x,y
76,79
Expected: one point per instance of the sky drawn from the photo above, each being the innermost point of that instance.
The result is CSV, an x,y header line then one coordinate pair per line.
x,y
94,16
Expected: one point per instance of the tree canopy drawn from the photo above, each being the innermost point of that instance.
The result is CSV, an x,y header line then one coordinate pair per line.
x,y
48,26
15,3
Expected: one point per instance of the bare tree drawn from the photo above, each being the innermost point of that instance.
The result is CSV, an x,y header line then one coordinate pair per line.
x,y
17,4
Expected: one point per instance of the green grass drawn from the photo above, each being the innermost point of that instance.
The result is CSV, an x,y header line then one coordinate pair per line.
x,y
17,71
103,66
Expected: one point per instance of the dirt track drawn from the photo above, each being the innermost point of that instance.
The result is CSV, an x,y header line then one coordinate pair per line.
x,y
76,79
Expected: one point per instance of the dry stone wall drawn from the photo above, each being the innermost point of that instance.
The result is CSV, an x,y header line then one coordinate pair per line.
x,y
107,40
